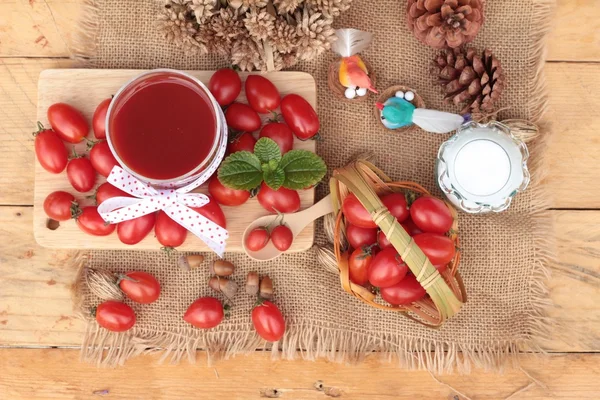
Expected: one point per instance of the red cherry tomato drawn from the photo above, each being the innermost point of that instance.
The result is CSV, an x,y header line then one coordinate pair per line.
x,y
282,200
135,230
70,125
407,291
60,206
280,133
282,237
81,174
115,316
262,95
268,321
387,268
204,313
107,191
396,204
213,212
92,223
257,239
50,150
168,232
383,241
226,196
359,237
225,84
102,158
410,227
99,119
441,268
242,117
244,142
140,287
431,215
356,213
300,116
438,248
358,266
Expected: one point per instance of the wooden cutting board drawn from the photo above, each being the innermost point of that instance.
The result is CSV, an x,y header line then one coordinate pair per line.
x,y
85,89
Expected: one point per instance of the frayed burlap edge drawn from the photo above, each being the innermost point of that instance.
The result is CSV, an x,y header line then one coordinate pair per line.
x,y
105,348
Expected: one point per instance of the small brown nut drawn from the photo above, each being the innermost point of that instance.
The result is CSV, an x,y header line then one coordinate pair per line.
x,y
266,288
189,262
223,285
252,283
221,268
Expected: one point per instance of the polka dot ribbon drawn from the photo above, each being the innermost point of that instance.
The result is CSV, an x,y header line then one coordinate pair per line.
x,y
175,202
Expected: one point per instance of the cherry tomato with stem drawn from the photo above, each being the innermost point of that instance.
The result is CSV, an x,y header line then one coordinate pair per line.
x,y
226,196
282,200
81,174
358,265
439,249
107,191
257,239
70,125
262,95
92,223
387,268
268,321
359,237
280,133
356,213
396,204
135,230
102,158
204,313
225,85
407,291
431,215
140,286
212,211
50,150
282,237
99,119
242,117
243,142
300,116
115,316
168,232
61,206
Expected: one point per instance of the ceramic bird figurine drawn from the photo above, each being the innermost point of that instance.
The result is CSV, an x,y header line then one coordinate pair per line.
x,y
397,112
353,73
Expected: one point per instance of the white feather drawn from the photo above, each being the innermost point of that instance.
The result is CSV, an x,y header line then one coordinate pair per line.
x,y
351,41
436,121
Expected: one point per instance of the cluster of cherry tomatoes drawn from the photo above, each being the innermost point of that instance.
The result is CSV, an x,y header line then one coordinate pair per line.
x,y
374,262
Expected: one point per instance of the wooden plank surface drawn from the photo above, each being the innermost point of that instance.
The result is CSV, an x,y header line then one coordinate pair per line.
x,y
49,373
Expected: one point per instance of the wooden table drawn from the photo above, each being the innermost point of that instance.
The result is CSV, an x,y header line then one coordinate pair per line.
x,y
35,305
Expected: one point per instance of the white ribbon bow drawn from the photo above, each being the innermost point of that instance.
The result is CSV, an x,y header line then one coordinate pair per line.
x,y
175,202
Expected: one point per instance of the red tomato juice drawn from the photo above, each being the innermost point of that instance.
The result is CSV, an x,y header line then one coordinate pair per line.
x,y
163,127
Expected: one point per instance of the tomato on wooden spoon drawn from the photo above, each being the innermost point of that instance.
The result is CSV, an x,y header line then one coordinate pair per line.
x,y
92,223
257,239
262,95
204,313
268,321
300,116
102,158
81,174
140,287
99,119
61,206
70,125
242,117
226,196
168,232
225,84
135,230
282,237
50,150
115,316
282,200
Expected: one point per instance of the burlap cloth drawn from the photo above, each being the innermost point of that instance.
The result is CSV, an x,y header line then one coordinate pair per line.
x,y
503,255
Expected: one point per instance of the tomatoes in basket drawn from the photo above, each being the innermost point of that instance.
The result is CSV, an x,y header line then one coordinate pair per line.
x,y
81,174
280,133
282,200
244,142
204,313
50,150
439,249
257,239
242,117
226,196
387,268
262,95
356,213
431,215
102,158
135,230
99,119
212,211
225,84
282,237
359,237
168,232
107,191
410,227
60,206
70,125
300,116
115,316
407,291
92,223
140,287
383,241
358,265
268,321
396,204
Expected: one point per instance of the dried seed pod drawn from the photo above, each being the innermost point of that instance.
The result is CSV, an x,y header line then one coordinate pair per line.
x,y
252,283
221,268
266,288
189,262
103,284
223,285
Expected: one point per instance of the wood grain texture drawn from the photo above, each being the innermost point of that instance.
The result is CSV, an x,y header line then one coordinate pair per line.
x,y
85,89
576,31
44,373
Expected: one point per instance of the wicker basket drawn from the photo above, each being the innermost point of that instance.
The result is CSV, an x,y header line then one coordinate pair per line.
x,y
446,292
333,80
391,92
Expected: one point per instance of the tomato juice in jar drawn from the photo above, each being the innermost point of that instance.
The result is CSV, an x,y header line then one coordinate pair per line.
x,y
165,128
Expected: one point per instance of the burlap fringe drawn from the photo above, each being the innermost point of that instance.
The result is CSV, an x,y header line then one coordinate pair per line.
x,y
84,44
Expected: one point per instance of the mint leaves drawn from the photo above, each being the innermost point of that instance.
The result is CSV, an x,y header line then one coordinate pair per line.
x,y
297,169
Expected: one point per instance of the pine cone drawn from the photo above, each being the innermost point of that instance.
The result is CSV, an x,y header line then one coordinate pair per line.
x,y
445,23
245,5
331,8
178,27
314,31
284,37
223,29
260,24
203,9
469,78
248,55
287,6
